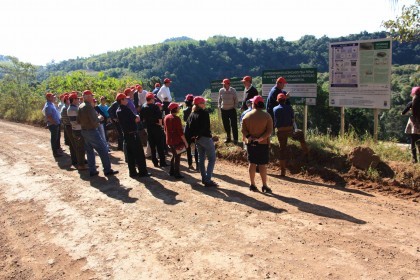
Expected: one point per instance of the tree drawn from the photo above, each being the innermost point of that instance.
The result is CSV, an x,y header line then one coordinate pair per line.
x,y
406,27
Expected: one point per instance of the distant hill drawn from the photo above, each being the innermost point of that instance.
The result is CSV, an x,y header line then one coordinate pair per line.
x,y
193,64
3,58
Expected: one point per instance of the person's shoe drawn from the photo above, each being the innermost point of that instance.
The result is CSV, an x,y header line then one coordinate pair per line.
x,y
134,175
253,188
163,164
414,160
178,176
227,141
171,173
266,189
147,174
93,174
56,155
210,184
82,167
111,172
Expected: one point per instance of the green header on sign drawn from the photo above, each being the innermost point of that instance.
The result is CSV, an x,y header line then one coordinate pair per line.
x,y
236,83
382,45
292,76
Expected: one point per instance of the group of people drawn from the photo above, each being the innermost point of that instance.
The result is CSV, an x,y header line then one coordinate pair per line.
x,y
136,113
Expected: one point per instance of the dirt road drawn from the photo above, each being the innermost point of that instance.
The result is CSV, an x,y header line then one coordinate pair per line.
x,y
57,223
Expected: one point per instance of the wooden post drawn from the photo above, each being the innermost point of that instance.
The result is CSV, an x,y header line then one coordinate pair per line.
x,y
342,122
375,124
305,119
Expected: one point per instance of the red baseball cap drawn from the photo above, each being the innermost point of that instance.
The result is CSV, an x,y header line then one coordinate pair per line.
x,y
247,79
226,82
281,80
139,86
199,100
281,96
49,94
415,91
173,106
189,97
120,96
150,95
167,80
87,92
73,95
157,85
257,99
66,97
127,91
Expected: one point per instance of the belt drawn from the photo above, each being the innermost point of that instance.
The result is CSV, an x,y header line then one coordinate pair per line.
x,y
132,132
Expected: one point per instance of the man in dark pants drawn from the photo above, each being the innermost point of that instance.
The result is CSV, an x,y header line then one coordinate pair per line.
x,y
272,96
53,123
112,111
135,153
152,118
228,101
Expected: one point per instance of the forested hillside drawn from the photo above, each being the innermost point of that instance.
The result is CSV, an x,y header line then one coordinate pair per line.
x,y
193,64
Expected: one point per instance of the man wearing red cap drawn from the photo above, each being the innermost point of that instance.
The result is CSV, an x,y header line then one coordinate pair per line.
x,y
283,122
67,129
155,92
191,148
139,97
227,102
249,92
78,141
88,120
274,92
152,118
175,139
53,122
135,154
257,127
164,94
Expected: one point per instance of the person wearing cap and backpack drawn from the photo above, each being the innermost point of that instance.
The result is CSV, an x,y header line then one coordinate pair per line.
x,y
249,92
88,120
175,138
227,102
257,127
198,129
135,153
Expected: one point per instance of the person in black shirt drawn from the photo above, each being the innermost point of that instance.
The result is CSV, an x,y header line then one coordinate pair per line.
x,y
151,116
112,110
249,92
198,130
191,148
135,153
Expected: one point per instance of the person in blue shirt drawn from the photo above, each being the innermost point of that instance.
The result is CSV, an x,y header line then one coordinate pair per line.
x,y
283,122
272,96
249,109
53,122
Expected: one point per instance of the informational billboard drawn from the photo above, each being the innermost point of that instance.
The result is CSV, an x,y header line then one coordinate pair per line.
x,y
236,83
301,84
360,74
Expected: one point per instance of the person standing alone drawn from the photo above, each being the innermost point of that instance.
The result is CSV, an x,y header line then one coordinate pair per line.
x,y
227,102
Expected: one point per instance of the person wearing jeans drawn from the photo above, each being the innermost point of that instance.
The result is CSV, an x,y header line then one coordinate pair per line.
x,y
198,130
88,119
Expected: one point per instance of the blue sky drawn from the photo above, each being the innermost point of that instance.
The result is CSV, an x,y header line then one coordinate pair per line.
x,y
44,30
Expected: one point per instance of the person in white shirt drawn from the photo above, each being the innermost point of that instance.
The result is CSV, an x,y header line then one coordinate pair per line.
x,y
141,96
164,93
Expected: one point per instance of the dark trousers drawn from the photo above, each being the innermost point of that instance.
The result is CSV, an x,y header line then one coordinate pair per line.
x,y
156,142
59,137
175,161
190,156
283,134
66,136
415,145
79,146
135,154
69,133
119,135
230,122
55,133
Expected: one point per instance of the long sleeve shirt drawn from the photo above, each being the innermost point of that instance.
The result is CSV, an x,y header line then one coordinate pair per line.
x,y
228,99
163,93
64,117
248,94
198,124
72,114
256,124
87,116
283,115
173,129
127,119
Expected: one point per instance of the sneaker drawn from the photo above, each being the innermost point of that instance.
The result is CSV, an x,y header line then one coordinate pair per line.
x,y
147,174
266,189
210,184
253,188
111,172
